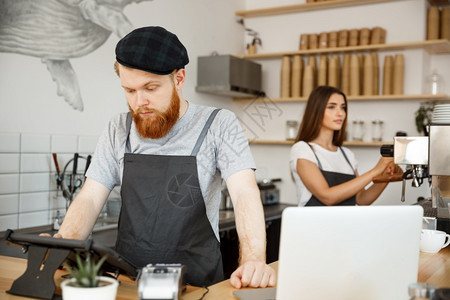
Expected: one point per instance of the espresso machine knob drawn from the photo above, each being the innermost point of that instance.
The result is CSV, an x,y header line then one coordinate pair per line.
x,y
387,150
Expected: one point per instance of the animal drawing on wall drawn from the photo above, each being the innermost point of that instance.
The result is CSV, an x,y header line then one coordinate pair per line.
x,y
57,30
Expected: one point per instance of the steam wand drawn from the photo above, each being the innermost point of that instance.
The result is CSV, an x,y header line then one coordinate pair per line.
x,y
415,172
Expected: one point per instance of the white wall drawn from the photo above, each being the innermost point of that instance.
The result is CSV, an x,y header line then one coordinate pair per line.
x,y
404,21
30,108
28,94
34,121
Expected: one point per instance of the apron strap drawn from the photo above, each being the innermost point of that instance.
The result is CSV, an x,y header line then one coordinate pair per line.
x,y
346,158
204,132
127,128
318,161
343,153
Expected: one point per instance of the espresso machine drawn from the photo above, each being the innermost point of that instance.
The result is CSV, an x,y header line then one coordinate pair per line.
x,y
439,170
426,159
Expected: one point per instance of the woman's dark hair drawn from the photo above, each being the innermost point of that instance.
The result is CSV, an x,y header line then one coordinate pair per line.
x,y
313,115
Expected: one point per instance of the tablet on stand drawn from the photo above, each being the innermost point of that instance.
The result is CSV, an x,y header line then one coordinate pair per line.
x,y
47,254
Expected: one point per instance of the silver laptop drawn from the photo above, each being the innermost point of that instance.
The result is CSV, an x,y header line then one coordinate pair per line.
x,y
352,252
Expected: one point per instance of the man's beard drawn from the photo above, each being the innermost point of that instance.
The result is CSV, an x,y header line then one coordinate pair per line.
x,y
159,123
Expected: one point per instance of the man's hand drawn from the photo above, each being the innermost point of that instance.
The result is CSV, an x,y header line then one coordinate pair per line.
x,y
253,274
56,235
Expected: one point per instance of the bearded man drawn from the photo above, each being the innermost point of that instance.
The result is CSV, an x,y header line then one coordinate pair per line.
x,y
170,156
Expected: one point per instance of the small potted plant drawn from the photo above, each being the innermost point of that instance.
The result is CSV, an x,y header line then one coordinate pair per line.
x,y
87,283
256,40
424,116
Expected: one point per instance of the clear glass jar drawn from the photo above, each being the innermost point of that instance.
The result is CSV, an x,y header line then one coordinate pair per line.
x,y
358,130
377,130
291,129
435,84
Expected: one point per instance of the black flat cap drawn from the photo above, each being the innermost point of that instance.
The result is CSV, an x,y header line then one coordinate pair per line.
x,y
152,49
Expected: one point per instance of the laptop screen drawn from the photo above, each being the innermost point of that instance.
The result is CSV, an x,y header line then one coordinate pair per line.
x,y
352,252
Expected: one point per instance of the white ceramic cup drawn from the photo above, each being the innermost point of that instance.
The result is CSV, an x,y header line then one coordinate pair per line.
x,y
432,241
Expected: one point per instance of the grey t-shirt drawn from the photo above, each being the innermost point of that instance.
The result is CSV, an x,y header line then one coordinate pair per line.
x,y
224,151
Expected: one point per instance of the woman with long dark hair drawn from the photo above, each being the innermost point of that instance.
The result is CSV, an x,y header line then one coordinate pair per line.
x,y
325,172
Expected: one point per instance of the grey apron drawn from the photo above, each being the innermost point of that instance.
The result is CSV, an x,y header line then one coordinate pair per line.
x,y
163,216
333,178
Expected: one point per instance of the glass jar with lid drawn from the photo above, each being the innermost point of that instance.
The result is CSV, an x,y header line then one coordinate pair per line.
x,y
377,130
358,130
435,84
291,129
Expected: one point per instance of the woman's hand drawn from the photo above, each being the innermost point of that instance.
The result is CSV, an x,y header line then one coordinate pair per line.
x,y
393,169
385,166
390,174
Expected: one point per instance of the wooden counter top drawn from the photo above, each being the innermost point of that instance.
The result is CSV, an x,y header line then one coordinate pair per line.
x,y
433,269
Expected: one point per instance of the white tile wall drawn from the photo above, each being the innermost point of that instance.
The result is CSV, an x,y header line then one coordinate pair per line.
x,y
9,222
57,201
87,144
28,190
9,184
35,143
39,218
9,204
9,163
34,182
29,202
9,142
35,163
64,144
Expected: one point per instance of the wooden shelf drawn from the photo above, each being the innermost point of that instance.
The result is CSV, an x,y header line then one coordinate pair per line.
x,y
268,142
440,97
289,9
346,143
439,2
431,46
366,144
261,12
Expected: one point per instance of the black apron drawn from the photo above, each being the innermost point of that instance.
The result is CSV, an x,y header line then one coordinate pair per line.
x,y
333,178
163,216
